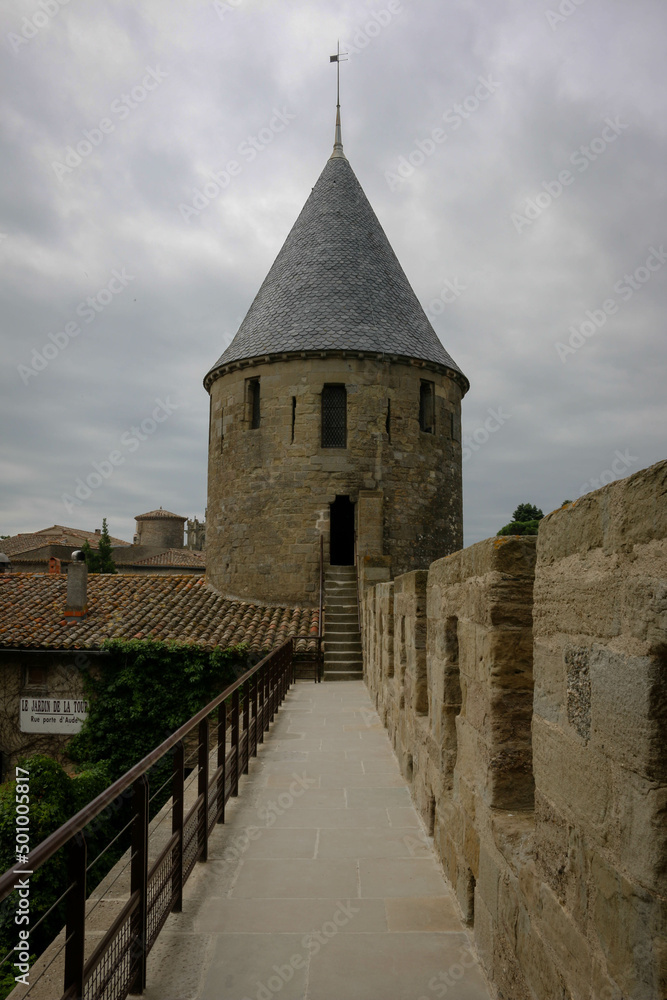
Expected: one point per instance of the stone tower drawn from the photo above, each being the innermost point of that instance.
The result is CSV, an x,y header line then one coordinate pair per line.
x,y
335,411
160,527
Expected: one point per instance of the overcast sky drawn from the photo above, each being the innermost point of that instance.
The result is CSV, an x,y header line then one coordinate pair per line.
x,y
513,150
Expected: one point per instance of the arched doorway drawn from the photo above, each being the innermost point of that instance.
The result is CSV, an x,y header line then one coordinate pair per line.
x,y
341,532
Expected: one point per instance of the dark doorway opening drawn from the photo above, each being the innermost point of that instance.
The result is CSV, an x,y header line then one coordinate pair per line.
x,y
341,537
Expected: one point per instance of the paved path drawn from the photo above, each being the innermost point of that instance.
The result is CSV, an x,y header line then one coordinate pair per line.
x,y
321,885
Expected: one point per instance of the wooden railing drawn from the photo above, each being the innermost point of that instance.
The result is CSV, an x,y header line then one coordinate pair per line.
x,y
117,966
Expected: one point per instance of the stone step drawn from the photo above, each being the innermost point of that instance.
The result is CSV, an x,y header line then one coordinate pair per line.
x,y
342,654
331,657
342,648
343,658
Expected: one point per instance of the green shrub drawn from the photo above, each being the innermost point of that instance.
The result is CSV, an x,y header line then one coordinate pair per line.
x,y
520,528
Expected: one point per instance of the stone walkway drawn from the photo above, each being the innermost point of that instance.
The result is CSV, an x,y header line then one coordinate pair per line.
x,y
321,884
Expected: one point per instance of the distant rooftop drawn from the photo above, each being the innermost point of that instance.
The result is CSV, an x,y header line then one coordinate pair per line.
x,y
167,557
57,534
154,515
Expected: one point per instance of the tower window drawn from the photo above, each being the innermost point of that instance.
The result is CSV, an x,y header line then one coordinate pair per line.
x,y
334,416
293,415
253,402
388,420
222,429
427,407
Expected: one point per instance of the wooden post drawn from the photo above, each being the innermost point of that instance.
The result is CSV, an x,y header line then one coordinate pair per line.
x,y
76,916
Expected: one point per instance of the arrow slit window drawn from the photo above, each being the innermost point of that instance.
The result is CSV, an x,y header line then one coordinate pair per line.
x,y
334,416
427,407
253,402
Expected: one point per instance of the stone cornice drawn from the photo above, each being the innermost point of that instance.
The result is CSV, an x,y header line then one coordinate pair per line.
x,y
264,359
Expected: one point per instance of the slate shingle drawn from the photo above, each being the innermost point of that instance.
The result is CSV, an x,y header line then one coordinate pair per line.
x,y
336,284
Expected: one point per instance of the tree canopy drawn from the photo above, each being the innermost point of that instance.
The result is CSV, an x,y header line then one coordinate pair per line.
x,y
100,561
525,520
527,512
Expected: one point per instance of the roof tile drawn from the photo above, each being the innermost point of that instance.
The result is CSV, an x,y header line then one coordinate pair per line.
x,y
183,608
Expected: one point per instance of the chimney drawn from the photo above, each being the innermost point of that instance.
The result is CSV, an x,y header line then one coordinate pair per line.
x,y
54,565
77,586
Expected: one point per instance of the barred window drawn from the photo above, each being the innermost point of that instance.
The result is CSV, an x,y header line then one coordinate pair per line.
x,y
253,402
334,416
427,407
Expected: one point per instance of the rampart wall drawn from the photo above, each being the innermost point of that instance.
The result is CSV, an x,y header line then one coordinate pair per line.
x,y
523,683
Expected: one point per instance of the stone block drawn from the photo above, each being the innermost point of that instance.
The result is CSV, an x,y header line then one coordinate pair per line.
x,y
470,845
538,965
563,776
505,658
630,925
484,931
551,843
568,944
629,709
549,693
488,880
510,783
609,517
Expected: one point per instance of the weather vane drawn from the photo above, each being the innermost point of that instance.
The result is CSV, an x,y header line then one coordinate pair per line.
x,y
338,58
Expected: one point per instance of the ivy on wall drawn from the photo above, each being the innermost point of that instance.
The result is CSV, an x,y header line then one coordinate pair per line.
x,y
142,692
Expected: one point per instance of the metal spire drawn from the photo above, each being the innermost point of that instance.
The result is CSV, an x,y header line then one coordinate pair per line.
x,y
338,138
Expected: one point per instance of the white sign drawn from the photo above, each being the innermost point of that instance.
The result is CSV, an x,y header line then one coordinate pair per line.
x,y
52,715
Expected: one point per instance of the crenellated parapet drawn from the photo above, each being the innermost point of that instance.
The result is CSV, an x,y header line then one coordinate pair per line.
x,y
523,683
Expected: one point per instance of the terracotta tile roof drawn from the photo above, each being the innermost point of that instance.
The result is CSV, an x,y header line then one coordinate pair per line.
x,y
55,535
153,515
182,608
172,557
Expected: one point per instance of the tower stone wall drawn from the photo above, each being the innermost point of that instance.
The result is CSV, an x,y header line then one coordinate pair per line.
x,y
270,487
160,530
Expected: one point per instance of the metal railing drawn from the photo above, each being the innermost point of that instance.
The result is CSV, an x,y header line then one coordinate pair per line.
x,y
117,966
320,628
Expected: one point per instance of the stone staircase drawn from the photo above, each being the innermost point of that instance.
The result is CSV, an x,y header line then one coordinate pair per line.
x,y
342,638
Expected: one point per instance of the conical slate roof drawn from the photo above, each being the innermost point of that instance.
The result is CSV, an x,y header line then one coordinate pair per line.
x,y
337,285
